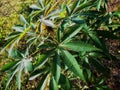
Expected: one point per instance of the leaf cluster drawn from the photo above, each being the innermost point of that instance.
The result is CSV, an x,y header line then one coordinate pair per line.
x,y
62,36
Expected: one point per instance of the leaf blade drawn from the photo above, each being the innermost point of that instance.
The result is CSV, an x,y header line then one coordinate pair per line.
x,y
72,64
80,46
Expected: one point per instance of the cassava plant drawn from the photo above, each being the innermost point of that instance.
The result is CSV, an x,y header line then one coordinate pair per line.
x,y
57,42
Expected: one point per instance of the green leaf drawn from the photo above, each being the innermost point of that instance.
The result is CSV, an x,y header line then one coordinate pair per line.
x,y
48,23
9,66
37,73
75,5
12,36
18,28
22,19
87,75
72,64
26,62
56,67
68,10
94,37
80,46
43,82
96,54
11,77
35,7
18,79
40,3
73,31
77,20
53,84
28,66
85,5
90,14
98,4
117,13
9,42
15,54
64,82
43,59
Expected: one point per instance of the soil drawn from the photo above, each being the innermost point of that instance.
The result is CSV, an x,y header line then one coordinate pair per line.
x,y
114,81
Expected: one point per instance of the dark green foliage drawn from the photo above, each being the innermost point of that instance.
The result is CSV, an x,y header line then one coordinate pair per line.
x,y
62,37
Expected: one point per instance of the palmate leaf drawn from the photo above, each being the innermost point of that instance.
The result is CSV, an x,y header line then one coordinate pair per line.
x,y
80,46
24,64
72,64
14,41
17,68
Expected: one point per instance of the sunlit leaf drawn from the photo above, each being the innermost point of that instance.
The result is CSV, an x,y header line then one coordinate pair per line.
x,y
35,7
18,79
41,3
22,19
27,64
98,4
48,23
18,28
9,65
